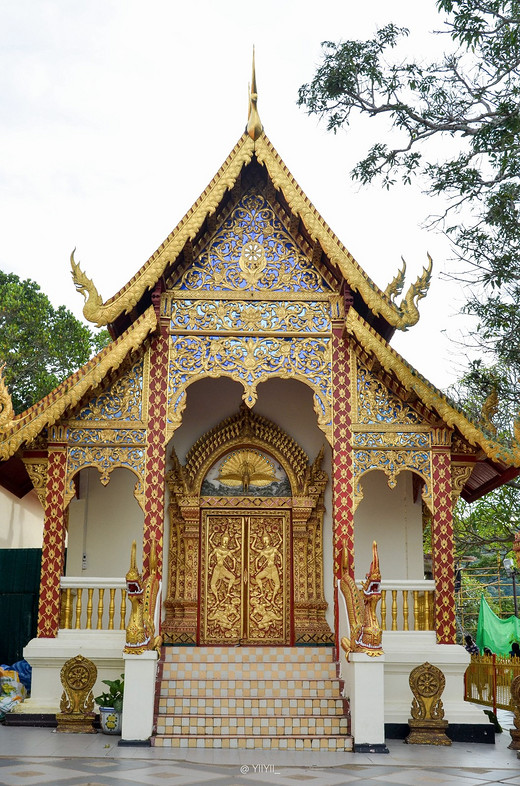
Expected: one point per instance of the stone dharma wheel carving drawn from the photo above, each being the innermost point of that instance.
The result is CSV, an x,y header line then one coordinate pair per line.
x,y
78,676
427,724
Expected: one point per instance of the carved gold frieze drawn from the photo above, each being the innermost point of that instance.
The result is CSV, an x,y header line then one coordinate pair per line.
x,y
105,460
460,474
377,405
392,462
391,439
252,250
248,502
250,361
122,402
37,471
258,316
106,436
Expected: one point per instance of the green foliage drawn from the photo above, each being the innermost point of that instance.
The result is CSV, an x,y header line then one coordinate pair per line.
x,y
40,345
469,103
472,391
114,696
487,527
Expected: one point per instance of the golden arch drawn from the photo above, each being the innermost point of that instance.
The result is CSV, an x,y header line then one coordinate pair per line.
x,y
189,513
317,378
105,474
426,492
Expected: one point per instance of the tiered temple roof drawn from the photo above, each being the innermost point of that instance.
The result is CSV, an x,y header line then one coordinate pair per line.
x,y
131,315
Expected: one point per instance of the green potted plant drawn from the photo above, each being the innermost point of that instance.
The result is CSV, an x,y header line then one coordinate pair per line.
x,y
110,705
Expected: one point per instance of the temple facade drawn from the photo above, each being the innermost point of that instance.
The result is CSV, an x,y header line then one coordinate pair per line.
x,y
250,420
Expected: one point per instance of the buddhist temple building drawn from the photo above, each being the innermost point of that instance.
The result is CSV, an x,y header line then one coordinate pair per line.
x,y
250,424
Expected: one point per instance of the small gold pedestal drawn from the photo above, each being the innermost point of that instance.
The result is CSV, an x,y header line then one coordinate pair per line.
x,y
78,676
72,723
427,732
427,724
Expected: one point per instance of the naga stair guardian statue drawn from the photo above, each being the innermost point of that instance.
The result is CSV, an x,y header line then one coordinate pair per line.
x,y
365,630
140,631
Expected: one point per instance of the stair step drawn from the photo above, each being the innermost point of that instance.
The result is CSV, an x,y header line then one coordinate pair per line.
x,y
252,726
248,654
271,742
194,705
286,698
253,671
251,688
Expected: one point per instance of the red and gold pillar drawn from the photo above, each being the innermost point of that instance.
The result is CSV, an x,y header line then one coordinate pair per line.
x,y
442,537
342,490
155,461
53,546
342,475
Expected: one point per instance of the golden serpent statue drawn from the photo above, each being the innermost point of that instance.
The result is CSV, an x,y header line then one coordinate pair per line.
x,y
365,631
140,631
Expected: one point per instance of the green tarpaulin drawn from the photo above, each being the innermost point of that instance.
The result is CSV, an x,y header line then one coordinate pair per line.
x,y
495,633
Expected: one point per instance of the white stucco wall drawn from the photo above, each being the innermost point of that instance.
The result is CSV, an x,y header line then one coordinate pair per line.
x,y
21,521
103,522
394,521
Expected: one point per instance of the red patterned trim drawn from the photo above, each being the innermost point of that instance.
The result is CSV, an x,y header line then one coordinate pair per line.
x,y
155,465
442,547
53,548
342,488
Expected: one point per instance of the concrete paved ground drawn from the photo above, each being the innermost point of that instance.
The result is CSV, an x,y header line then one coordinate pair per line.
x,y
41,757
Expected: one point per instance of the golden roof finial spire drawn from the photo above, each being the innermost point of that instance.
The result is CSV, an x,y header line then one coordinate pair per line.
x,y
254,124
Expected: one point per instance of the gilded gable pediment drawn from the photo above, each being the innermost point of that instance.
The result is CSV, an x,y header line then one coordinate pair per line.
x,y
252,251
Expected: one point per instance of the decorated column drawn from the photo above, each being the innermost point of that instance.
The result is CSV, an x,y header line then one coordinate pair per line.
x,y
442,537
155,461
54,530
342,477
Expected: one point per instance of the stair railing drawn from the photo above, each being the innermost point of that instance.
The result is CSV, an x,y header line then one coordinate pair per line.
x,y
93,603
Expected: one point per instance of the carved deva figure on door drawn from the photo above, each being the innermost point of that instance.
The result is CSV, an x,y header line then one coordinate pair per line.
x,y
220,555
224,610
266,601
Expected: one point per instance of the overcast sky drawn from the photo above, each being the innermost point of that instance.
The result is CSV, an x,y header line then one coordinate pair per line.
x,y
116,114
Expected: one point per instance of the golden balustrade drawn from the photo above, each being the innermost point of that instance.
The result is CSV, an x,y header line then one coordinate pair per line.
x,y
488,679
78,615
407,605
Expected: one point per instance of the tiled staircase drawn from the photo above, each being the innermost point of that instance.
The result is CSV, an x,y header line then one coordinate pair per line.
x,y
250,697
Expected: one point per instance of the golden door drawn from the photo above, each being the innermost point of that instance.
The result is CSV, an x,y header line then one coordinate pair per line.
x,y
245,575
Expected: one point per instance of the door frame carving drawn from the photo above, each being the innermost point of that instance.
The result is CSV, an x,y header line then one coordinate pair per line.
x,y
308,481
